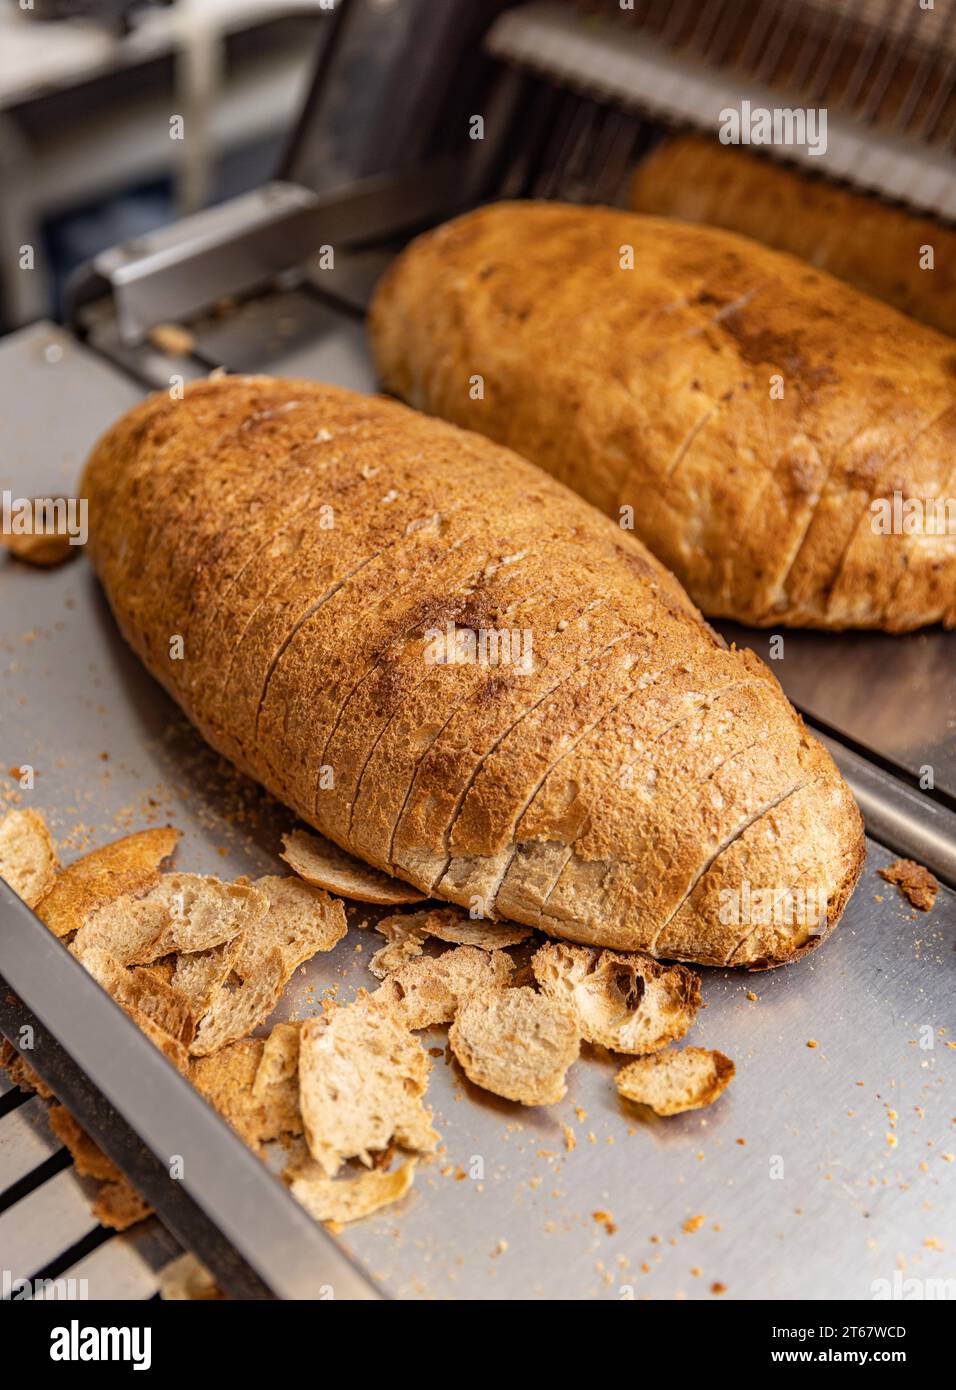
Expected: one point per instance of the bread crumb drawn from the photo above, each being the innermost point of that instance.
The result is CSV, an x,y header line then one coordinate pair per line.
x,y
915,882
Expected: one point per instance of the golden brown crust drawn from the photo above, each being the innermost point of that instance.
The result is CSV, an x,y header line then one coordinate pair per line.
x,y
127,866
657,387
856,237
673,1082
554,794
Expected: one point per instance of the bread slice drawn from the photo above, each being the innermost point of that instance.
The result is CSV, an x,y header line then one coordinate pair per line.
x,y
127,866
740,409
430,989
199,975
279,1063
362,1081
509,798
300,921
183,912
227,1079
672,1082
628,1003
341,1200
325,865
234,1013
28,860
143,995
516,1043
161,1014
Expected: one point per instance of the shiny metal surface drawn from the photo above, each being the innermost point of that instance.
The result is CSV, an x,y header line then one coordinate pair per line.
x,y
836,1184
237,246
893,695
630,66
898,816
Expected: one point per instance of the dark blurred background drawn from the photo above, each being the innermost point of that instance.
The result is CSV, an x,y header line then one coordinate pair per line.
x,y
87,90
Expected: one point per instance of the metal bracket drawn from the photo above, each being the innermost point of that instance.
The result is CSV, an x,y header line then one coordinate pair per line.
x,y
241,245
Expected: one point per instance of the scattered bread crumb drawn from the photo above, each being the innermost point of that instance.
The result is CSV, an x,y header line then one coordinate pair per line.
x,y
916,884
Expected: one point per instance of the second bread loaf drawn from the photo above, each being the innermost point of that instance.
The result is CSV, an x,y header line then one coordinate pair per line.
x,y
758,423
878,248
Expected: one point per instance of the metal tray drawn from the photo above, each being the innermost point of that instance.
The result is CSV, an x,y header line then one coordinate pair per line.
x,y
825,1172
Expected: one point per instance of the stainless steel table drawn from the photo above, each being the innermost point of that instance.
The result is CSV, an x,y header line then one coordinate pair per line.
x,y
825,1169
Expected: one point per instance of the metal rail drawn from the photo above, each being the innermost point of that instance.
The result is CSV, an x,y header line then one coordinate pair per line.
x,y
227,1207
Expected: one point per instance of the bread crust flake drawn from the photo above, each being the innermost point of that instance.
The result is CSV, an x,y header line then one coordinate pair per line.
x,y
126,866
675,1081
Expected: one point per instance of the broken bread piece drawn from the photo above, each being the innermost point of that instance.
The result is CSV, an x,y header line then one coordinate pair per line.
x,y
406,933
279,1062
153,1005
362,1077
518,1044
404,941
234,1013
88,1158
199,975
186,1280
300,921
324,865
672,1082
341,1200
127,866
229,1081
183,912
28,860
118,1205
428,990
625,1001
20,1072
